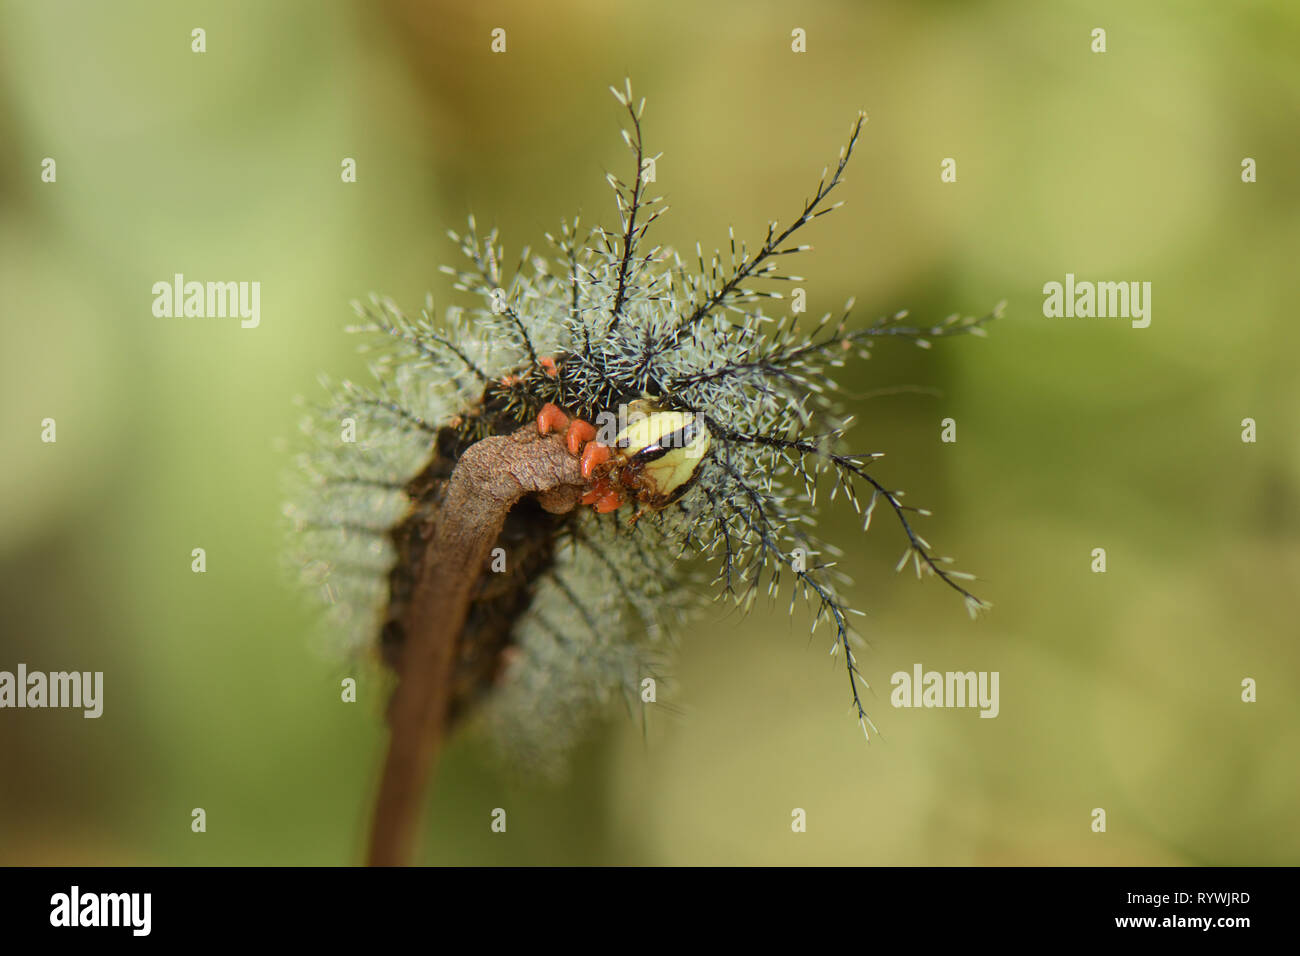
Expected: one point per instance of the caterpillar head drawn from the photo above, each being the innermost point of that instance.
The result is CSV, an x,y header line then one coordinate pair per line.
x,y
653,460
658,455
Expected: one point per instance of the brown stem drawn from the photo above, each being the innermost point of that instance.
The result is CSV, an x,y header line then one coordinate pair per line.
x,y
490,477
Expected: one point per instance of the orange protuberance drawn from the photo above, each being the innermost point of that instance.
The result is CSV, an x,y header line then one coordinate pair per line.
x,y
580,432
550,419
594,455
548,366
602,494
598,490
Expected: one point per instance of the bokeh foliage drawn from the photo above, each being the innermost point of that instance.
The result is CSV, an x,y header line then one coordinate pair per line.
x,y
1118,690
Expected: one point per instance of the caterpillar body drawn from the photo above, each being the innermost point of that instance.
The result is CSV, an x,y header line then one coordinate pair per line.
x,y
703,423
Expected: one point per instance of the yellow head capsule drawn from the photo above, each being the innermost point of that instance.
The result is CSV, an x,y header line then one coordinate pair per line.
x,y
662,452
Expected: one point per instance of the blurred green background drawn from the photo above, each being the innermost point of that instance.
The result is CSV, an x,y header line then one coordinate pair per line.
x,y
1118,690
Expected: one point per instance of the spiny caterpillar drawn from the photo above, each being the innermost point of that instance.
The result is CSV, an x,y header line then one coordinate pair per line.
x,y
713,422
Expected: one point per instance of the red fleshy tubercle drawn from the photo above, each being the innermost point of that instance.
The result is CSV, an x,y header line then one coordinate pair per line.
x,y
593,456
580,433
550,419
599,490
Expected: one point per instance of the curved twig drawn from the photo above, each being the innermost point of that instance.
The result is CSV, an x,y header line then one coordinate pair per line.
x,y
489,479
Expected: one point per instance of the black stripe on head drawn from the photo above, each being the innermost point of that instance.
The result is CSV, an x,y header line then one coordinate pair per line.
x,y
678,439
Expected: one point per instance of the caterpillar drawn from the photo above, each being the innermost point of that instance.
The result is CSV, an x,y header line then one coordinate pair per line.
x,y
704,425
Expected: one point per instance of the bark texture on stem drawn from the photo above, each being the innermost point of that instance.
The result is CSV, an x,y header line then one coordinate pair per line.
x,y
489,479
